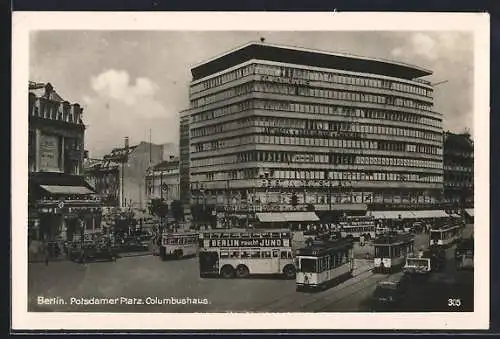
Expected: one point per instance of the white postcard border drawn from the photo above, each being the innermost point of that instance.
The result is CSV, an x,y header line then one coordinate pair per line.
x,y
26,22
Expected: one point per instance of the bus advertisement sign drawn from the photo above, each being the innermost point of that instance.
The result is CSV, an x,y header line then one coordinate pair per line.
x,y
247,242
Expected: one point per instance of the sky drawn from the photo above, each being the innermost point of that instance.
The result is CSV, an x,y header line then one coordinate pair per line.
x,y
135,83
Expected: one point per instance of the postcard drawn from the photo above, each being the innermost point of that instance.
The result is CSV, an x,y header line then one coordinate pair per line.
x,y
286,171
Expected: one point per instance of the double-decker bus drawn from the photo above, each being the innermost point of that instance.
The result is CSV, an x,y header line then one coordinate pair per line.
x,y
241,253
178,245
391,250
445,235
357,227
324,263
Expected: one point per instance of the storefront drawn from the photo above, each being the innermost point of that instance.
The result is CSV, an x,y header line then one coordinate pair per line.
x,y
62,207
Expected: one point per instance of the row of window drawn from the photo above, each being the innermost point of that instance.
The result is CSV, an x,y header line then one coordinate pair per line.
x,y
309,75
53,110
321,194
309,92
392,251
286,106
255,253
302,127
181,241
315,158
458,168
325,263
361,175
317,142
263,200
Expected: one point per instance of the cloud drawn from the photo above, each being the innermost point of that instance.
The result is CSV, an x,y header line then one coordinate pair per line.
x,y
396,52
418,44
115,88
119,106
116,85
424,45
432,46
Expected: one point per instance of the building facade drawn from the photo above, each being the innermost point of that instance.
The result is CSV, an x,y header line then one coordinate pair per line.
x,y
132,163
184,147
104,177
458,161
61,203
163,181
268,122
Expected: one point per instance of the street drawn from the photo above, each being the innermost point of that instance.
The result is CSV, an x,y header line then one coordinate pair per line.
x,y
146,276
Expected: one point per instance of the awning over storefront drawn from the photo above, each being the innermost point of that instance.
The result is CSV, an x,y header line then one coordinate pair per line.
x,y
301,216
56,189
392,214
430,214
287,217
470,212
270,217
349,207
59,183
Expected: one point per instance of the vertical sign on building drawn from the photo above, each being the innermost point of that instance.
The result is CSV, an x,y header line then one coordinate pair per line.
x,y
49,153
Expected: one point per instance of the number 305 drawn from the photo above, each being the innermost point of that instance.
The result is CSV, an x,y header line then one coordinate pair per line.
x,y
454,302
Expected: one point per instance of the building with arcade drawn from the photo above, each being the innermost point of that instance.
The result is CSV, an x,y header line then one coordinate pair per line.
x,y
271,125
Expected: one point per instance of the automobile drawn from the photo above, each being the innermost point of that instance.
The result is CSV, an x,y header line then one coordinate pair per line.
x,y
132,245
91,251
390,293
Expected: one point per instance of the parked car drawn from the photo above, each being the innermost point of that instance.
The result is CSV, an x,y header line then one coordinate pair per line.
x,y
132,245
91,251
389,295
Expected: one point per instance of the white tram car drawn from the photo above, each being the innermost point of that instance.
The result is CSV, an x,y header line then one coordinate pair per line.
x,y
391,250
445,235
323,264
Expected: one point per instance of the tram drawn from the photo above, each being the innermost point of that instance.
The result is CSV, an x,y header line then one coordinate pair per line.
x,y
464,254
444,235
391,250
323,264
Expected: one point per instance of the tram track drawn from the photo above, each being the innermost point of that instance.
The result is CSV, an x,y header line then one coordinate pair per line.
x,y
303,298
363,285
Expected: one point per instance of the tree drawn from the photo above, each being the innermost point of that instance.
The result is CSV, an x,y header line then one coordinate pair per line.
x,y
158,207
177,210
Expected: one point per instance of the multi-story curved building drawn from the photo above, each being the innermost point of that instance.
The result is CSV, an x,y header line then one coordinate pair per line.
x,y
268,122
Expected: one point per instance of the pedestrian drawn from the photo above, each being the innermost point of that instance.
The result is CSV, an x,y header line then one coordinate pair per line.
x,y
45,251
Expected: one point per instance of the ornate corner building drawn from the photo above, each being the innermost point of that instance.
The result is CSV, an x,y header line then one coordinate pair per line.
x,y
61,203
339,132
